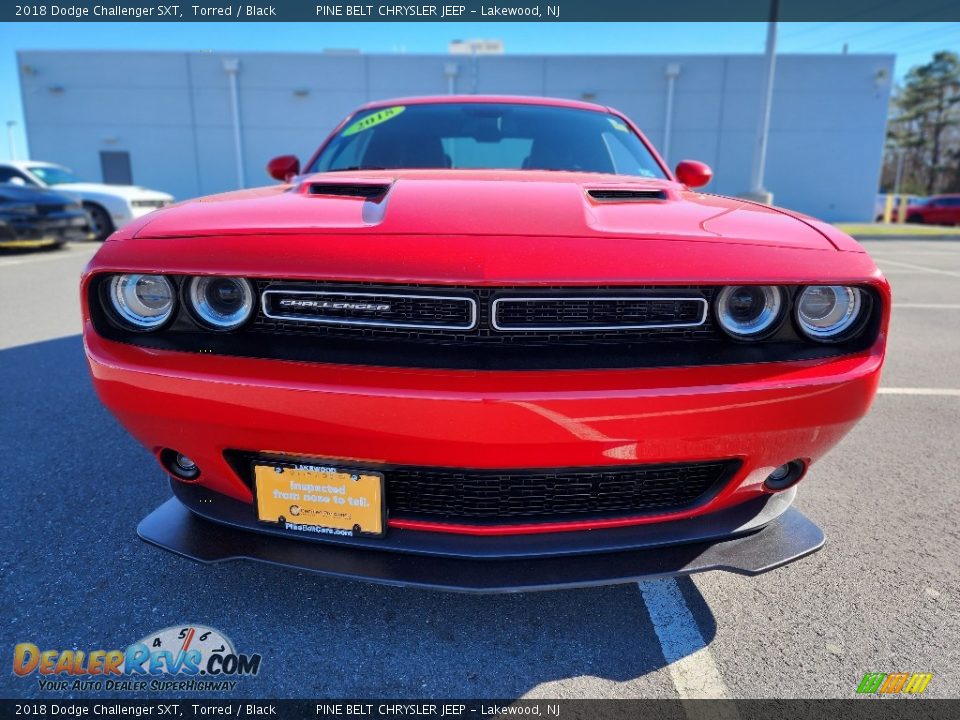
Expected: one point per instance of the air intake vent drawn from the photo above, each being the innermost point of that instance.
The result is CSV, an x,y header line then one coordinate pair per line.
x,y
610,195
361,190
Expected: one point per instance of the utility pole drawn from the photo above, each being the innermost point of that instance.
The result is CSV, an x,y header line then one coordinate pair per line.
x,y
757,190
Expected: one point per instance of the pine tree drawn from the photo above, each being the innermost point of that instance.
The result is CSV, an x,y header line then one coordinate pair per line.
x,y
926,125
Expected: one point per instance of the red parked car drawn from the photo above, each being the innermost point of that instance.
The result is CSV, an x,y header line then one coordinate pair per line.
x,y
485,343
935,210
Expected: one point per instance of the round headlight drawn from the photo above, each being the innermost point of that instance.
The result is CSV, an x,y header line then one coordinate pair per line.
x,y
825,312
749,311
143,302
221,303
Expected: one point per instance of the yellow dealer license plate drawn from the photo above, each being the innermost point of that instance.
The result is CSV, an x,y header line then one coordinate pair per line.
x,y
320,499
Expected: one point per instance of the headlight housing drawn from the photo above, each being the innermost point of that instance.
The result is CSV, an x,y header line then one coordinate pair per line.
x,y
828,312
220,303
142,302
749,312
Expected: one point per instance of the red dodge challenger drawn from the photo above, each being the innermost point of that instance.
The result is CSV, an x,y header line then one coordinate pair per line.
x,y
486,344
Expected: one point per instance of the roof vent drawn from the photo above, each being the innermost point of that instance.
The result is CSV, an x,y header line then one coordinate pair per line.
x,y
612,195
370,191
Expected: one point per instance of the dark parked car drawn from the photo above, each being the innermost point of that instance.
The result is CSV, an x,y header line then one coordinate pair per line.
x,y
34,218
935,210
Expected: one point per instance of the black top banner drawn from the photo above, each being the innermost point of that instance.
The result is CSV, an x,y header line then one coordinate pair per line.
x,y
480,11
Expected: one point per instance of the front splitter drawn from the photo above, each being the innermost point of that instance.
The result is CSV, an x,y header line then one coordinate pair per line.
x,y
790,537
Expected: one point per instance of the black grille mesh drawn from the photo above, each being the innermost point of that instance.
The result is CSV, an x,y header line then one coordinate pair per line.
x,y
472,495
584,313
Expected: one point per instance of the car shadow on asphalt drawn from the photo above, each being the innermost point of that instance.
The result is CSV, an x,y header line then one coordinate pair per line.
x,y
75,485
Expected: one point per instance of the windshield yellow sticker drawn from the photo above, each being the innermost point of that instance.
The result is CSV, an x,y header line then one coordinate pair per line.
x,y
371,120
617,125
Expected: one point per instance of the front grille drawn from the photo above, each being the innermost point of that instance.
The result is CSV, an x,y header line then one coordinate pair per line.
x,y
547,495
516,496
543,314
52,208
503,315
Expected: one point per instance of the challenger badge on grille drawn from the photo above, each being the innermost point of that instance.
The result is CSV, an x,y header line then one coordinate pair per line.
x,y
372,309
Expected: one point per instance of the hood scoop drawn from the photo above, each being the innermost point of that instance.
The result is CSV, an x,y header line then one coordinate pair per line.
x,y
368,191
623,195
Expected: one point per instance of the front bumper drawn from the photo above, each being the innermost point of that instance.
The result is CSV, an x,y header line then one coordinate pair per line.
x,y
52,229
788,536
760,415
205,406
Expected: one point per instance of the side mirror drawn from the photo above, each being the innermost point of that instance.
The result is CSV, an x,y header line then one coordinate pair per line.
x,y
693,173
17,180
283,168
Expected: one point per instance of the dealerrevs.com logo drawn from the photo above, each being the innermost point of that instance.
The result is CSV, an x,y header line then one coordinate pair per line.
x,y
177,658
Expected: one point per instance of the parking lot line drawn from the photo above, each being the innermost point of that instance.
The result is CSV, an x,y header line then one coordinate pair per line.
x,y
689,660
935,271
911,252
941,392
927,306
64,254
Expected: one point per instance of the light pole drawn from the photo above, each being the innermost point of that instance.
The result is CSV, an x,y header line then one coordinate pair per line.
x,y
10,141
450,72
232,67
899,176
672,73
757,189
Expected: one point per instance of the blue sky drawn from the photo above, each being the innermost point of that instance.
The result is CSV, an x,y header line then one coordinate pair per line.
x,y
913,43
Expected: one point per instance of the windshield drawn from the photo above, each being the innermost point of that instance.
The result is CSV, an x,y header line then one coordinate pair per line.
x,y
54,175
496,136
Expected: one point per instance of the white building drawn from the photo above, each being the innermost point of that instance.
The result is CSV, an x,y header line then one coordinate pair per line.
x,y
168,120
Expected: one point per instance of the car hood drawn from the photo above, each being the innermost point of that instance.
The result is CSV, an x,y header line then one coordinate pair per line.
x,y
19,195
127,192
491,203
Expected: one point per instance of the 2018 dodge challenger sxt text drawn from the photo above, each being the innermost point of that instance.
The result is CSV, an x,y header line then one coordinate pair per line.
x,y
485,343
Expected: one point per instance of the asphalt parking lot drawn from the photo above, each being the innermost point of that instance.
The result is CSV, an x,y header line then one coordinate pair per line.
x,y
882,596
